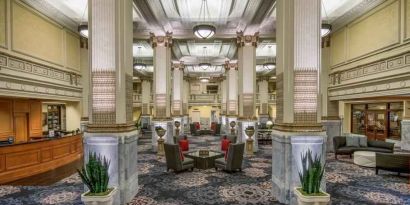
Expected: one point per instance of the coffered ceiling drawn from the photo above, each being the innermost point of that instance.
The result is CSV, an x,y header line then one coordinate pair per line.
x,y
180,16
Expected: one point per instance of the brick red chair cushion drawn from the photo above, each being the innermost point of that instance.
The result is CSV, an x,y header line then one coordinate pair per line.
x,y
226,153
225,144
184,145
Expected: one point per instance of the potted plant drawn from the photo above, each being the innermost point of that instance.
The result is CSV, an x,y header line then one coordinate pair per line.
x,y
310,177
95,176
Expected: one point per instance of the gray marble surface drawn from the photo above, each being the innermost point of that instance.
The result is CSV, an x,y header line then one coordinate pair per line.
x,y
405,135
333,128
287,149
121,150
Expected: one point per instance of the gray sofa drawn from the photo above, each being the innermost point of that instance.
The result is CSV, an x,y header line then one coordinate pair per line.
x,y
399,163
340,148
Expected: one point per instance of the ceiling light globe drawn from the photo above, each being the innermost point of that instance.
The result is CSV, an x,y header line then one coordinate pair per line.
x,y
83,30
139,66
325,30
204,31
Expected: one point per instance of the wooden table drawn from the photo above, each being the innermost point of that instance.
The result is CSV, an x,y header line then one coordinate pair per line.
x,y
204,161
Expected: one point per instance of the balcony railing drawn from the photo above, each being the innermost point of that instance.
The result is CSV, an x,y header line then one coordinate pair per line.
x,y
207,98
204,98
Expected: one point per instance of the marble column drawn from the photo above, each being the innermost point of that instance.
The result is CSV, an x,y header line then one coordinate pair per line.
x,y
405,126
263,100
331,121
146,102
185,98
247,86
85,82
297,126
223,92
177,95
162,87
111,131
231,69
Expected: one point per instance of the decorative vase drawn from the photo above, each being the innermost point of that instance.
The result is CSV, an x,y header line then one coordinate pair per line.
x,y
311,200
232,124
249,142
99,200
177,125
160,133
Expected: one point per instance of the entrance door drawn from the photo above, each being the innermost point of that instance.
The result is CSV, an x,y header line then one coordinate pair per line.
x,y
20,121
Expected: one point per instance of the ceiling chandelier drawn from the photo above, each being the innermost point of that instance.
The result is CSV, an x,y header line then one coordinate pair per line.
x,y
325,30
204,31
83,28
204,65
270,63
141,65
204,79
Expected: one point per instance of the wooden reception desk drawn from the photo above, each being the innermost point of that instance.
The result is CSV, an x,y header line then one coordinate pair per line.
x,y
21,160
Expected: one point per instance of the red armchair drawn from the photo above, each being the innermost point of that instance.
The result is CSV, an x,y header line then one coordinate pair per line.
x,y
225,144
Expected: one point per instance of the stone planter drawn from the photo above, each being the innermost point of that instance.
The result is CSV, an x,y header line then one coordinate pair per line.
x,y
99,200
161,132
249,133
311,200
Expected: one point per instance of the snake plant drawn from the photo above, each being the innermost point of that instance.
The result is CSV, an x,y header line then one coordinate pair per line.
x,y
95,173
311,174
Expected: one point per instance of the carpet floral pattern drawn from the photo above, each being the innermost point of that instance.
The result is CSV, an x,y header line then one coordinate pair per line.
x,y
346,182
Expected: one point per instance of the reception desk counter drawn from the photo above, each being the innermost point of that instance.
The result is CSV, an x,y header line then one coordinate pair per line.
x,y
30,158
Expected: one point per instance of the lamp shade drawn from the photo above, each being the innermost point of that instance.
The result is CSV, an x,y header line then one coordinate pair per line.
x,y
269,66
83,30
204,31
139,66
325,30
204,66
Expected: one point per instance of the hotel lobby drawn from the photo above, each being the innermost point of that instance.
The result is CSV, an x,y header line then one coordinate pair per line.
x,y
202,102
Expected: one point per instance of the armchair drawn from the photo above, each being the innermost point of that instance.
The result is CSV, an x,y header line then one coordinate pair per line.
x,y
234,158
173,159
399,163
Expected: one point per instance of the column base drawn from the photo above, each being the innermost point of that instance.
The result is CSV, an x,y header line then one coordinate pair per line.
x,y
121,150
223,124
145,121
167,125
333,128
405,134
242,137
83,124
287,148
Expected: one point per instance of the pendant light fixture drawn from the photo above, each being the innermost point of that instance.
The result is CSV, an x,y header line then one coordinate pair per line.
x,y
326,28
204,65
83,27
139,65
270,63
204,31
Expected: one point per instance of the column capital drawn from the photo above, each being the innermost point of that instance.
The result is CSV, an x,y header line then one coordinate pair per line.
x,y
230,65
179,65
247,40
161,40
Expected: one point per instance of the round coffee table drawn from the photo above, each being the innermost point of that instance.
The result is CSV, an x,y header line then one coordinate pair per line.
x,y
365,158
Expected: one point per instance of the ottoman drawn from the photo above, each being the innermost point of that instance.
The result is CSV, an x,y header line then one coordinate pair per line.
x,y
365,158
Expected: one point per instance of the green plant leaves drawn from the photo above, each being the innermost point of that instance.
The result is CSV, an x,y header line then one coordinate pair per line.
x,y
95,173
312,172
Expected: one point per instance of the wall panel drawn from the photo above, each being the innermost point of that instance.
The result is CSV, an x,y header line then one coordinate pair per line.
x,y
72,51
6,119
407,19
377,31
35,36
338,47
3,23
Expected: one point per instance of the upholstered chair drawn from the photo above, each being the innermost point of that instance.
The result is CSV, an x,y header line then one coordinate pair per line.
x,y
174,159
193,129
233,160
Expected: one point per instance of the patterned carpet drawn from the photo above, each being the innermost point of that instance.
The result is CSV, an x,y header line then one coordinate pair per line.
x,y
347,183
